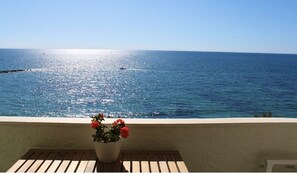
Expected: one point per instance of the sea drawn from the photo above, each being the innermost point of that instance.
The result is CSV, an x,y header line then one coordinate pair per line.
x,y
147,84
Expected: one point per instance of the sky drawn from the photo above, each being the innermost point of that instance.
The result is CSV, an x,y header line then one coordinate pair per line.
x,y
193,25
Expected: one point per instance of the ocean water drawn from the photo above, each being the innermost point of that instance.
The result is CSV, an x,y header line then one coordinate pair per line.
x,y
154,84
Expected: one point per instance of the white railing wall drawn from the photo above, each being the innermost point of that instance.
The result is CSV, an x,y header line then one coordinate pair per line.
x,y
241,144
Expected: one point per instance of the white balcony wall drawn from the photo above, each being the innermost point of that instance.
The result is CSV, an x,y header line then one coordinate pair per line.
x,y
227,145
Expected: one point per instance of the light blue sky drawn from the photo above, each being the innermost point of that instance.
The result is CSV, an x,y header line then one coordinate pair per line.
x,y
199,25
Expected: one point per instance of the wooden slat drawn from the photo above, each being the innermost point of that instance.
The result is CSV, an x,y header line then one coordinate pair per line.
x,y
38,162
74,163
180,163
127,161
47,162
171,163
153,163
108,167
117,166
162,163
29,162
135,162
144,162
91,163
21,161
84,161
63,166
99,166
56,163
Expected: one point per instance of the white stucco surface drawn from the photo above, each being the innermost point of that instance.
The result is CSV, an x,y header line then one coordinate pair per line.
x,y
240,144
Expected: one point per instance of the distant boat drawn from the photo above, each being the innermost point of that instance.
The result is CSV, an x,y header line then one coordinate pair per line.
x,y
122,68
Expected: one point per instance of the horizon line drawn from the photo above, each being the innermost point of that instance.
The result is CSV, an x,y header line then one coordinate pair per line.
x,y
169,50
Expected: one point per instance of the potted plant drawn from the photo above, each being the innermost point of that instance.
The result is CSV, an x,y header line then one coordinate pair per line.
x,y
107,140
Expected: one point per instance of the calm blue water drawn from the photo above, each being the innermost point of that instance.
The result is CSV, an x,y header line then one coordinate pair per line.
x,y
155,84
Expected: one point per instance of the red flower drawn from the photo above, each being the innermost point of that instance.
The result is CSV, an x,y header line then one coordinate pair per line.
x,y
120,122
115,123
95,124
125,132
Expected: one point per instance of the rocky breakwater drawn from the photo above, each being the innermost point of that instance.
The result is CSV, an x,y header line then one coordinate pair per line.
x,y
14,70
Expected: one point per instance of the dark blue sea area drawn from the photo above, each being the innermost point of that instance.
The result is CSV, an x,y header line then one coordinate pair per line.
x,y
147,84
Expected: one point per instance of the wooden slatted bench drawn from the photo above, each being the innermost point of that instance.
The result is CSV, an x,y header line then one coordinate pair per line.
x,y
65,160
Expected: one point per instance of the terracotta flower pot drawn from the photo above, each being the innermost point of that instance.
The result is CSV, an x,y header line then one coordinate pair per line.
x,y
108,152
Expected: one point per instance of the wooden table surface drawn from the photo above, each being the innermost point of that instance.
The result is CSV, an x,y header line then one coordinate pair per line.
x,y
74,160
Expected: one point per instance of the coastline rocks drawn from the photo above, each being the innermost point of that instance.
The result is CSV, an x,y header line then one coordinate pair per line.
x,y
14,70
